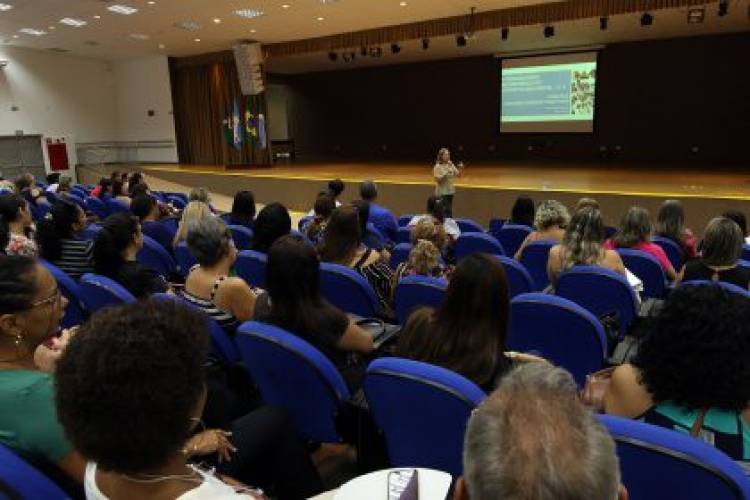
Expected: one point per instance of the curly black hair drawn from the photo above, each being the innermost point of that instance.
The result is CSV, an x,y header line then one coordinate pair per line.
x,y
697,349
129,383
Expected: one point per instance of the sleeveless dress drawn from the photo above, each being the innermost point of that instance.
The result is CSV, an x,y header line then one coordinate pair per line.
x,y
226,320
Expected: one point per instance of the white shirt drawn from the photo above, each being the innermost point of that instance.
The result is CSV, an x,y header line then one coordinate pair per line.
x,y
210,489
52,188
311,213
449,225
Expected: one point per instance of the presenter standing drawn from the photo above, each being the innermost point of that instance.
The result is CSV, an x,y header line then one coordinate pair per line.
x,y
444,172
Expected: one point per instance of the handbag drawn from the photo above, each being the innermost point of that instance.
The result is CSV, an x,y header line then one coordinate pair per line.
x,y
596,387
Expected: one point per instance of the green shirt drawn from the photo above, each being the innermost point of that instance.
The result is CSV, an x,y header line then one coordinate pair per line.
x,y
28,421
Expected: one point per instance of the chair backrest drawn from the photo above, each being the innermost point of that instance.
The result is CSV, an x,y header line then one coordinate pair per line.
x,y
251,267
155,257
38,212
176,202
403,235
729,287
609,231
519,279
560,331
423,411
469,226
115,206
417,291
89,232
399,254
185,260
601,291
304,221
745,252
98,292
79,191
24,481
534,258
496,225
51,197
242,236
76,312
404,220
658,463
511,236
373,238
346,289
294,375
469,243
648,269
77,199
97,207
672,249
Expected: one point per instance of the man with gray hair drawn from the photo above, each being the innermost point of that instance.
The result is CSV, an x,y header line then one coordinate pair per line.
x,y
380,217
532,439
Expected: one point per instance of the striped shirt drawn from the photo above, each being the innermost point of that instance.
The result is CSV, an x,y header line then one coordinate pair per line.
x,y
76,257
226,320
380,276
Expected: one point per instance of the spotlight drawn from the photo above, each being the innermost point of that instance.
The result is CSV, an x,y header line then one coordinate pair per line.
x,y
504,33
363,51
425,43
723,8
647,19
461,41
395,48
376,51
603,23
549,31
333,56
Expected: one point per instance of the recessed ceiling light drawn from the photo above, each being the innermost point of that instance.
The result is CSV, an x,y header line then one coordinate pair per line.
x,y
31,31
5,6
125,10
403,4
51,27
162,46
188,25
217,20
97,16
253,31
196,39
15,36
76,23
151,2
249,13
285,6
328,1
321,18
139,36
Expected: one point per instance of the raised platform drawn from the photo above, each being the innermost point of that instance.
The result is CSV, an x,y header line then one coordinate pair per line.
x,y
485,191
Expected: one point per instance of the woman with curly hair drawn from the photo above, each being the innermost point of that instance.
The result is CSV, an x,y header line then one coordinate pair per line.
x,y
428,240
692,362
550,221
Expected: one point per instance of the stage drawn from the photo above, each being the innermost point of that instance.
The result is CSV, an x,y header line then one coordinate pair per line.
x,y
485,190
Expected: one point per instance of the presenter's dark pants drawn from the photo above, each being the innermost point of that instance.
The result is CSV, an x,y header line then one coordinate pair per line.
x,y
448,204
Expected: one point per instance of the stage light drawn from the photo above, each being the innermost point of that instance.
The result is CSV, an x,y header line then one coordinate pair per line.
x,y
549,31
504,33
647,19
395,48
333,56
723,8
461,41
425,43
603,23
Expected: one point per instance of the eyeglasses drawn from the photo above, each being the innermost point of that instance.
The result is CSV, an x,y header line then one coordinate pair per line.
x,y
55,298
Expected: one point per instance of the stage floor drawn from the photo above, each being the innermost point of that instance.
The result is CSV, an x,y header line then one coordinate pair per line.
x,y
652,181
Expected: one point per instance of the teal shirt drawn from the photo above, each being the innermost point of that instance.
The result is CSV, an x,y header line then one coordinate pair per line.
x,y
28,420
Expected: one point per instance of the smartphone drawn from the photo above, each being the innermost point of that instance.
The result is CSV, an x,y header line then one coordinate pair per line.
x,y
403,484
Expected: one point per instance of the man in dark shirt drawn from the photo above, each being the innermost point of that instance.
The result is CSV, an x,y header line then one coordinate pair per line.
x,y
147,210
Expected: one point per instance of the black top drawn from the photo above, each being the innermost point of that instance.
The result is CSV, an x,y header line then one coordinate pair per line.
x,y
697,270
140,281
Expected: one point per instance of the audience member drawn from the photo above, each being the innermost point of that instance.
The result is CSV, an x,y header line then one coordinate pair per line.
x,y
120,193
635,232
64,185
130,392
272,223
103,190
147,210
670,223
722,247
229,300
16,226
522,212
371,237
692,363
199,194
467,332
243,209
335,188
583,246
139,189
342,245
586,203
533,440
425,258
740,219
293,302
436,212
115,249
135,179
59,240
193,212
380,217
26,187
53,181
315,229
550,221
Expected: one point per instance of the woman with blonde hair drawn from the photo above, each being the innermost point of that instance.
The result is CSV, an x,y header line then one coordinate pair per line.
x,y
428,240
194,211
550,221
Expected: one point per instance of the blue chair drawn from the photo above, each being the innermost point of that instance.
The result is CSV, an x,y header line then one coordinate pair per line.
x,y
97,207
559,330
115,206
302,237
25,482
242,236
155,257
76,312
609,232
745,252
171,223
519,279
496,225
52,198
658,463
417,291
403,235
673,250
373,238
175,194
469,243
423,411
304,221
511,236
79,191
404,220
469,226
78,200
39,212
601,291
90,231
399,254
251,267
729,287
648,270
534,258
294,375
346,289
99,292
176,202
185,260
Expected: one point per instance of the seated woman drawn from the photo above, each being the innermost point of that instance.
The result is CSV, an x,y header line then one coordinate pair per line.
x,y
739,219
16,226
722,247
193,212
147,360
635,232
199,194
582,246
272,223
103,190
26,186
692,362
229,300
342,245
293,302
425,258
550,222
467,333
31,308
115,248
120,193
315,229
243,209
59,241
436,212
522,212
670,223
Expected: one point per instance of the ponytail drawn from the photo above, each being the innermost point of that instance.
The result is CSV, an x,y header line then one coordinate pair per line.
x,y
57,226
117,232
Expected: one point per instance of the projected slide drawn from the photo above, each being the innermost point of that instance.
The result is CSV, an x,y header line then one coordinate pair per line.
x,y
549,94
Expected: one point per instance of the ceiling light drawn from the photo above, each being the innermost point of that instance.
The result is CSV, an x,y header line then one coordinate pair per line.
x,y
5,6
249,13
549,31
196,39
125,10
647,19
321,18
696,16
217,20
285,6
97,16
139,36
50,27
188,25
504,33
151,2
603,23
162,46
328,1
253,30
15,36
403,4
31,31
76,23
